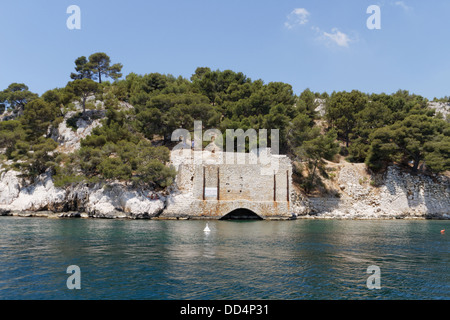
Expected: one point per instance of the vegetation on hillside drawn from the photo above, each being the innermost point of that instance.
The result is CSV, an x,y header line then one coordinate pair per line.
x,y
133,143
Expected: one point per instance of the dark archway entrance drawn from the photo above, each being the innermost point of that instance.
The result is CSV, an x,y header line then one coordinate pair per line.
x,y
241,214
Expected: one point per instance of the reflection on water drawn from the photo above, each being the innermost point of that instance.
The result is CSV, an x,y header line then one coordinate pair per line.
x,y
305,259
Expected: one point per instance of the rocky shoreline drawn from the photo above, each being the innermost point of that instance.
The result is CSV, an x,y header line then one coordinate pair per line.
x,y
71,214
84,215
397,195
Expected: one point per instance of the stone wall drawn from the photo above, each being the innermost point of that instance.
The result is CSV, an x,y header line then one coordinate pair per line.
x,y
218,183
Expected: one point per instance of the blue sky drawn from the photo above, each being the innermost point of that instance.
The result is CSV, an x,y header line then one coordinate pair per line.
x,y
316,44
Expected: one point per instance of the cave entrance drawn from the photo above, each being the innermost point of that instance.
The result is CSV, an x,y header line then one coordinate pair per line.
x,y
241,214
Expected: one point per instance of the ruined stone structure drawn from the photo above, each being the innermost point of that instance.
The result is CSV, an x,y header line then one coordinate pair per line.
x,y
223,185
211,188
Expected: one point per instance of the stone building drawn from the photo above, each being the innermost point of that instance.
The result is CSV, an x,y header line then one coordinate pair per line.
x,y
225,185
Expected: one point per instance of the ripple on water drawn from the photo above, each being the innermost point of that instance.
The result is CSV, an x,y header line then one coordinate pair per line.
x,y
257,260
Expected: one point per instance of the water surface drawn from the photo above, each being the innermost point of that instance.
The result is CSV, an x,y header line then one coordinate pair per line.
x,y
304,259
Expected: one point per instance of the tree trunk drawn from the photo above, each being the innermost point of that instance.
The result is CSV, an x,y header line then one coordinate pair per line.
x,y
84,105
347,138
312,176
416,165
99,77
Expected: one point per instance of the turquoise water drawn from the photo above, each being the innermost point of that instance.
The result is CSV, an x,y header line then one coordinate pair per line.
x,y
304,259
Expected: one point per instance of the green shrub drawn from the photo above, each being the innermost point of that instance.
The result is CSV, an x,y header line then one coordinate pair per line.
x,y
114,168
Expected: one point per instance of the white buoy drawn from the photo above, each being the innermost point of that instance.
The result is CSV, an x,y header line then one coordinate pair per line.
x,y
206,228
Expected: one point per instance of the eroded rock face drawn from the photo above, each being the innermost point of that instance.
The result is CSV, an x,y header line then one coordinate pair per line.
x,y
442,107
11,114
123,202
300,204
9,187
399,195
39,196
115,200
68,138
417,195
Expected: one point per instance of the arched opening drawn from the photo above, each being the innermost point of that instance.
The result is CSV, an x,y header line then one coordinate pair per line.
x,y
241,214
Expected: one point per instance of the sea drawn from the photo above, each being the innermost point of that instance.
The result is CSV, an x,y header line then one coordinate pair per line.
x,y
310,259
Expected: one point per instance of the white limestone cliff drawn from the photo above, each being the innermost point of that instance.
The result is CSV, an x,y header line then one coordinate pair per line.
x,y
114,200
396,194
